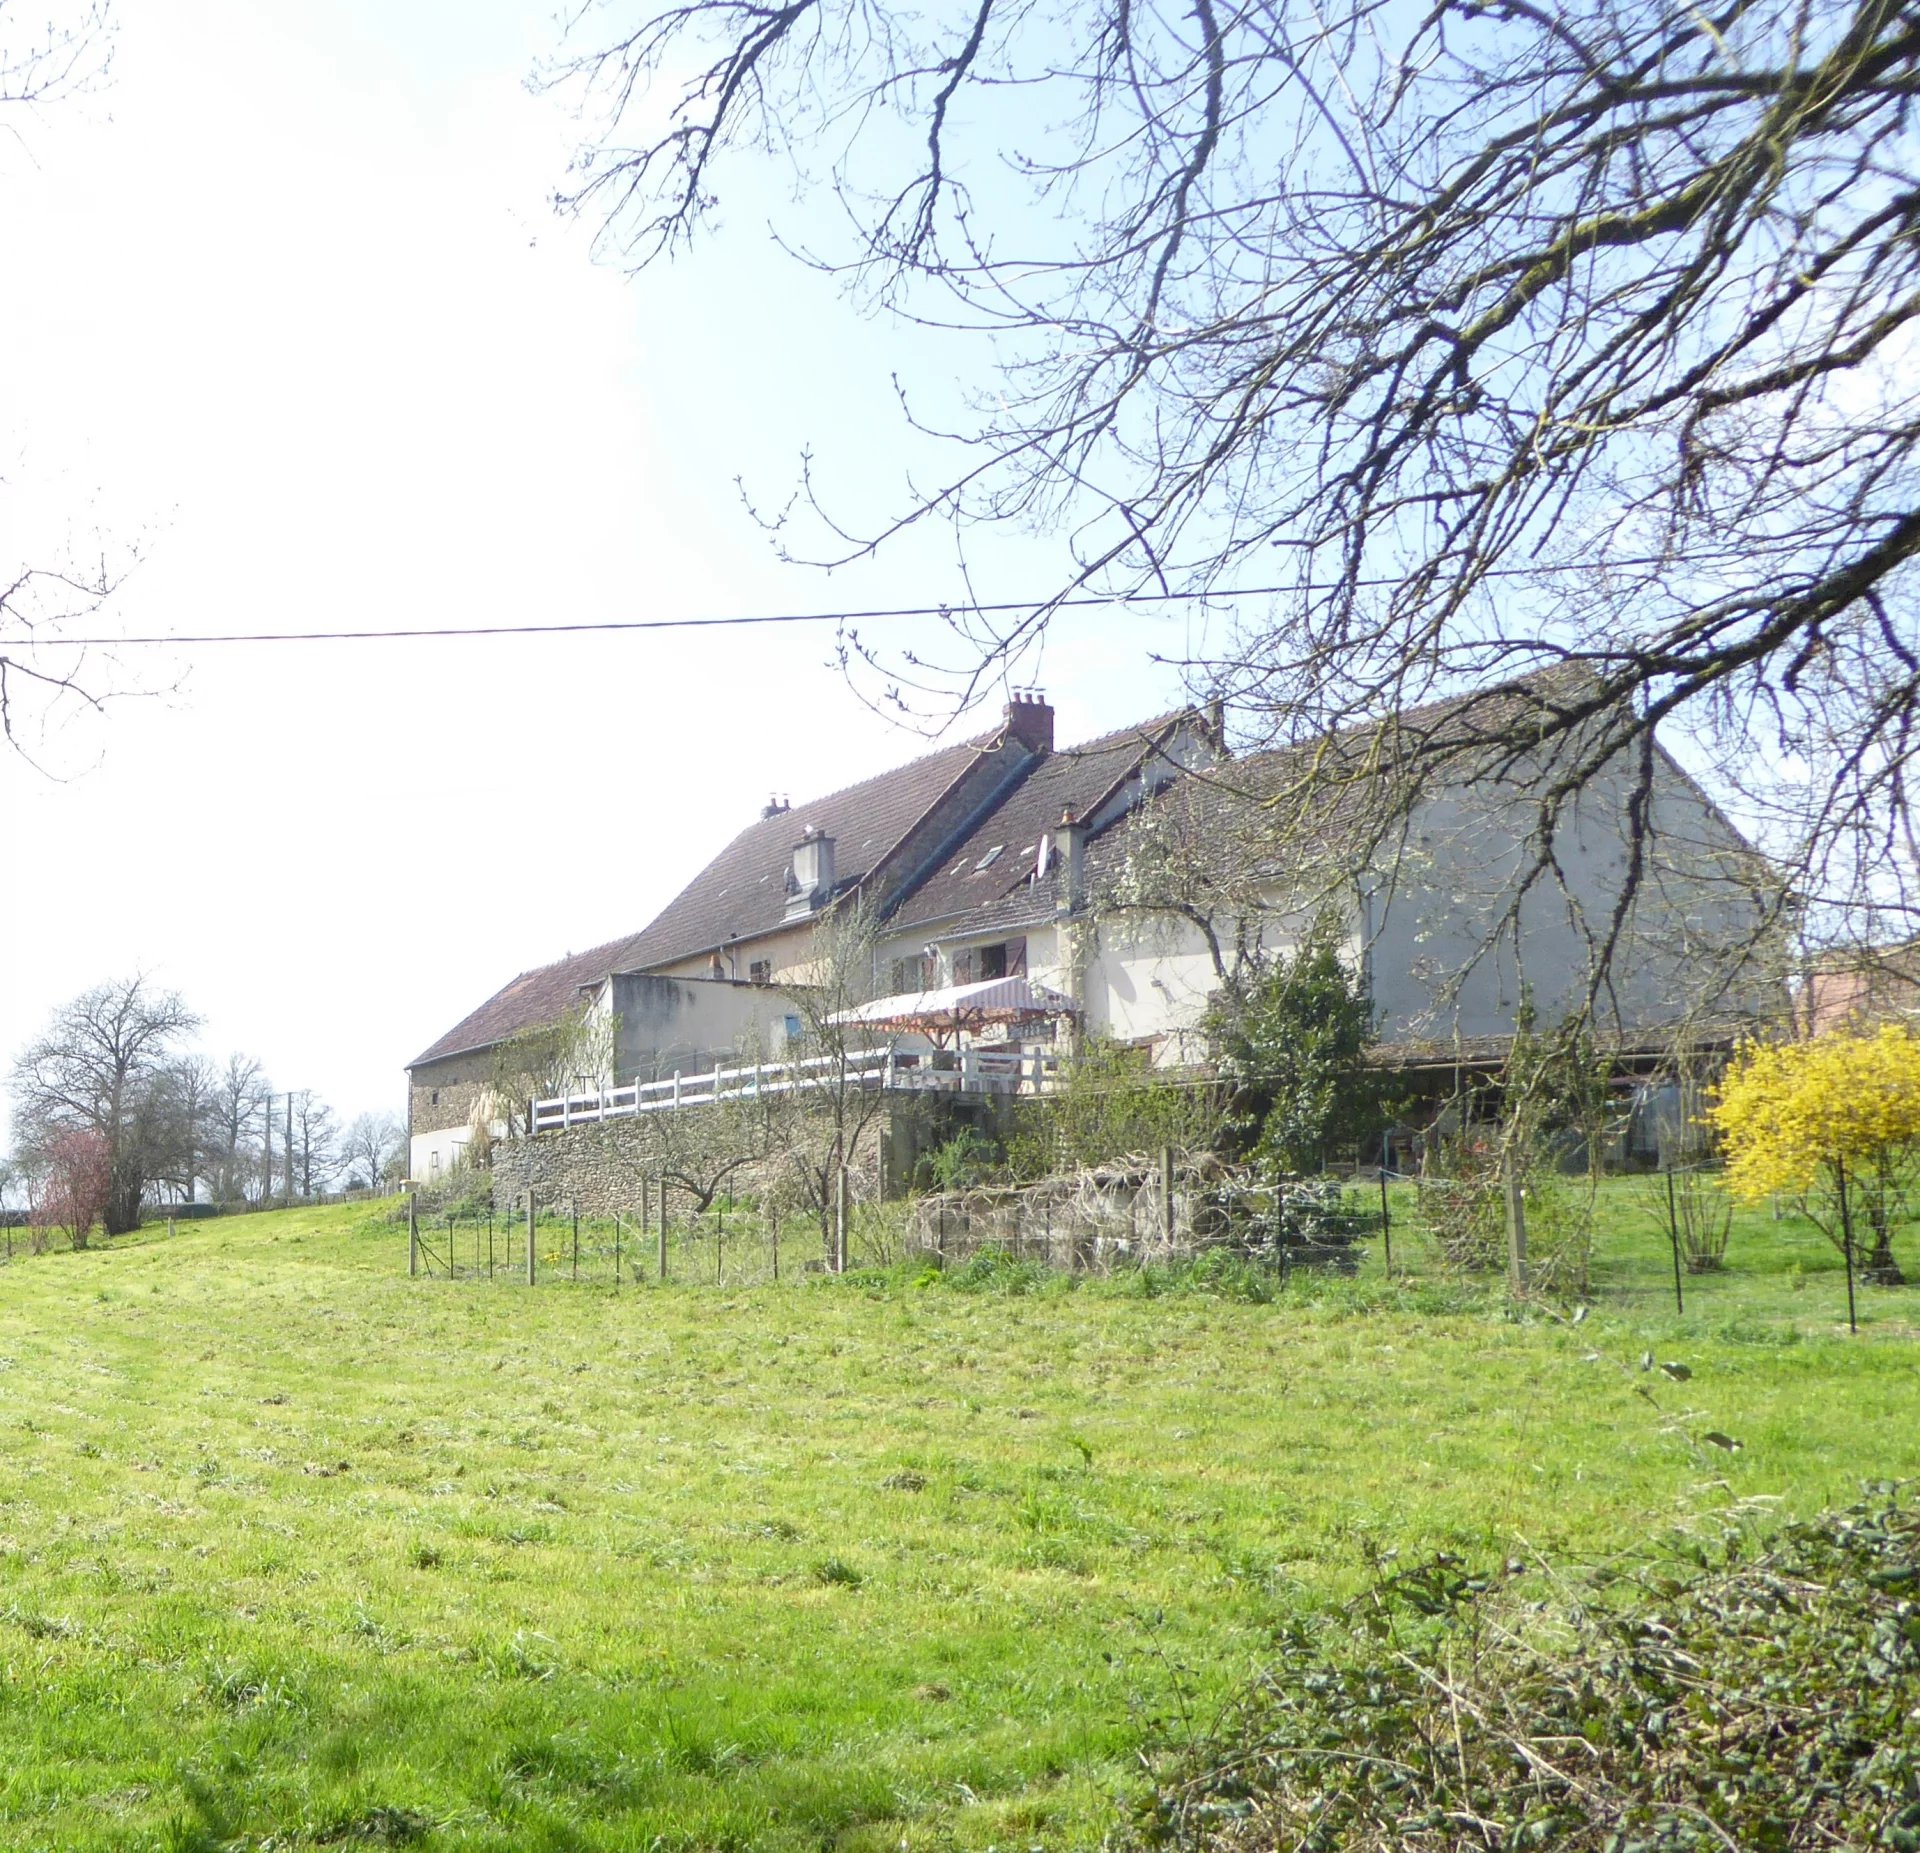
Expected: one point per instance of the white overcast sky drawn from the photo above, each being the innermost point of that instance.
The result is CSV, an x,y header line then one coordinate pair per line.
x,y
287,316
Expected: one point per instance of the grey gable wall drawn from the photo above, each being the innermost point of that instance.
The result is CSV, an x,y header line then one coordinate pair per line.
x,y
1684,951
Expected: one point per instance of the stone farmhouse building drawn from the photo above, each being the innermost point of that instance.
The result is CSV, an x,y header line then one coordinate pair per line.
x,y
1131,874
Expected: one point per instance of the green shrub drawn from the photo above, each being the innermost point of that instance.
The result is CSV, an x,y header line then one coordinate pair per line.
x,y
1750,1698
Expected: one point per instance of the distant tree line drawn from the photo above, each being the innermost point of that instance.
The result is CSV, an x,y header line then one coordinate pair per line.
x,y
113,1112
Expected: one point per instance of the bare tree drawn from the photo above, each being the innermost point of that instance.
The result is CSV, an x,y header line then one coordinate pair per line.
x,y
102,1066
182,1103
236,1111
369,1147
45,681
822,1127
315,1152
565,1056
1435,344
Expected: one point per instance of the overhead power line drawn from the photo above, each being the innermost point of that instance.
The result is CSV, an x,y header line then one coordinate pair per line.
x,y
55,640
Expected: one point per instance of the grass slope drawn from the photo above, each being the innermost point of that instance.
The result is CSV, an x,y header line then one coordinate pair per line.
x,y
294,1552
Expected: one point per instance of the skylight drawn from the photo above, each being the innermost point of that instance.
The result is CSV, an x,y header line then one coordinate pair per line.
x,y
990,858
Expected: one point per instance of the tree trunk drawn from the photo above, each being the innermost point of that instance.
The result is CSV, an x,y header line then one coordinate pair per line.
x,y
1880,1268
123,1204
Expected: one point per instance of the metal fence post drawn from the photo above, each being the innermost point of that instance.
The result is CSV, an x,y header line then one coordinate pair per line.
x,y
532,1269
1673,1232
413,1238
1846,1234
663,1227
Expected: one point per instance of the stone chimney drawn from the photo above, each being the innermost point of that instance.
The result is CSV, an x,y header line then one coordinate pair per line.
x,y
1030,720
1070,858
810,878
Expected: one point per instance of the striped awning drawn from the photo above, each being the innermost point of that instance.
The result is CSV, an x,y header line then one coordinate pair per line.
x,y
963,1006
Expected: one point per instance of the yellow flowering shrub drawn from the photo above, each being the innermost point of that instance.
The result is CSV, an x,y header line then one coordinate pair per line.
x,y
1787,1110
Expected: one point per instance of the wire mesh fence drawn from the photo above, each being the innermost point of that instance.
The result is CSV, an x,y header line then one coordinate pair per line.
x,y
726,1244
1146,1213
1098,1222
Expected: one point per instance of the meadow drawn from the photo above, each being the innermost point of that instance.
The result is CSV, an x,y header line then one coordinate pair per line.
x,y
297,1552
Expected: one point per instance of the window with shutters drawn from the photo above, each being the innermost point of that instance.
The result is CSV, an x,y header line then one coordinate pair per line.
x,y
1006,960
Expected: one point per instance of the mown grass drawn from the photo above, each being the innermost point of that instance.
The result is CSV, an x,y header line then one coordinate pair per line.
x,y
295,1552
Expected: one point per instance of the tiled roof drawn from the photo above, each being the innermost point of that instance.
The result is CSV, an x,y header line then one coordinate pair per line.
x,y
739,894
531,1000
742,892
1270,813
988,880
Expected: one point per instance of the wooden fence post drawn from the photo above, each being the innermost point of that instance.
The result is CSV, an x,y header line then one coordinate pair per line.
x,y
1516,1235
840,1222
532,1251
663,1226
1166,1193
413,1238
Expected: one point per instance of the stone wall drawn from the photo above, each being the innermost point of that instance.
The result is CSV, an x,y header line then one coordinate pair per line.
x,y
440,1095
600,1168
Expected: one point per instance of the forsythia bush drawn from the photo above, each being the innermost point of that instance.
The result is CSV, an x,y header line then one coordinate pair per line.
x,y
1786,1110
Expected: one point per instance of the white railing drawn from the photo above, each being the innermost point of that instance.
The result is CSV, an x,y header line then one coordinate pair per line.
x,y
971,1071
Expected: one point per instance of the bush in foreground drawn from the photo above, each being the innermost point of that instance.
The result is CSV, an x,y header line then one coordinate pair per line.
x,y
1768,1698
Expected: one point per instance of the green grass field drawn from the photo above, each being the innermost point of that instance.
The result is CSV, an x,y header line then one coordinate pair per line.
x,y
297,1553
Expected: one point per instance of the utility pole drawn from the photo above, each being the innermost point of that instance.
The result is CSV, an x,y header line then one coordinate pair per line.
x,y
266,1182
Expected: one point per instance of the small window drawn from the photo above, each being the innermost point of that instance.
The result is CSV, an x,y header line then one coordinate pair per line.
x,y
992,961
904,976
760,971
433,1164
435,1097
792,1027
991,857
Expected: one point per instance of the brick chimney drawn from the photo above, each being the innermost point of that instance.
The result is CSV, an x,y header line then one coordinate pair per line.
x,y
1030,720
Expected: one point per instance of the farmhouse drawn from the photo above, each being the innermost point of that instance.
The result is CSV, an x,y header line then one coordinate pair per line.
x,y
1133,875
942,849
